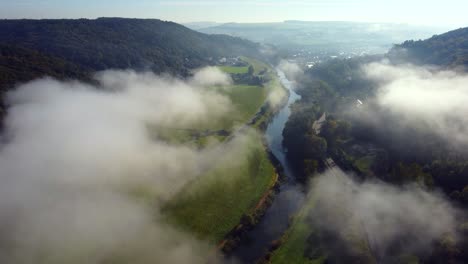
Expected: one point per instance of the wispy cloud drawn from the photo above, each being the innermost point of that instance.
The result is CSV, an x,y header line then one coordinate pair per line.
x,y
379,216
75,154
424,98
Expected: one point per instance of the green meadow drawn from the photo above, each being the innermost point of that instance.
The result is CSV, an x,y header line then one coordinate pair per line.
x,y
212,205
246,100
234,69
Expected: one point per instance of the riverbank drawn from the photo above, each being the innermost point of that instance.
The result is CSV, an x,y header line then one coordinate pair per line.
x,y
290,247
230,198
275,220
248,221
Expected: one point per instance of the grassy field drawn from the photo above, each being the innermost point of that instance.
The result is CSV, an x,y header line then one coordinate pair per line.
x,y
246,99
257,65
234,69
295,240
214,204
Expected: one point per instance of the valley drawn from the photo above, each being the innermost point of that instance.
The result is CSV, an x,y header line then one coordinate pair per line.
x,y
134,140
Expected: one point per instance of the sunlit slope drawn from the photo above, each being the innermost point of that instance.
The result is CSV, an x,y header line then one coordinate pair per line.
x,y
214,204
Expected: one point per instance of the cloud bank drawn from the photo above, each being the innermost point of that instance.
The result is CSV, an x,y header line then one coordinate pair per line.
x,y
386,219
75,159
210,76
424,98
291,70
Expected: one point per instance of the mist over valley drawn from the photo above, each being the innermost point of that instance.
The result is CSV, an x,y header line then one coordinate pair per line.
x,y
331,137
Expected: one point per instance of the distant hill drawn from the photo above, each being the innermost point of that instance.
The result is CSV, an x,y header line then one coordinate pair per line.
x,y
104,43
448,49
201,24
326,35
66,48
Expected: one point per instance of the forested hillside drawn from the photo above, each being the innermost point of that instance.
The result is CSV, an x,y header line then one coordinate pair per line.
x,y
449,49
74,49
122,43
19,65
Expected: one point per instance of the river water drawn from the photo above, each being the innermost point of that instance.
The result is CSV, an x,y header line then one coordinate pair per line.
x,y
287,202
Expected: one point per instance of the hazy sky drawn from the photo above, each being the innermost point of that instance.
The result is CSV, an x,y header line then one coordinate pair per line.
x,y
431,12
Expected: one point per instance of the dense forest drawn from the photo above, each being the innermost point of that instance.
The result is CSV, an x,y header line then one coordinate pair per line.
x,y
74,49
392,152
19,64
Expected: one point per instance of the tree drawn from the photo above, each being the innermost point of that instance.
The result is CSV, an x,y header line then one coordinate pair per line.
x,y
311,166
251,70
315,147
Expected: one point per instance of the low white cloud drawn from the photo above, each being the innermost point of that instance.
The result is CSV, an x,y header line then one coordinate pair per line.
x,y
290,69
424,97
75,156
210,76
276,96
380,215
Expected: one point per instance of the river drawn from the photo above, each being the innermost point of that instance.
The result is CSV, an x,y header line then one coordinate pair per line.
x,y
287,202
